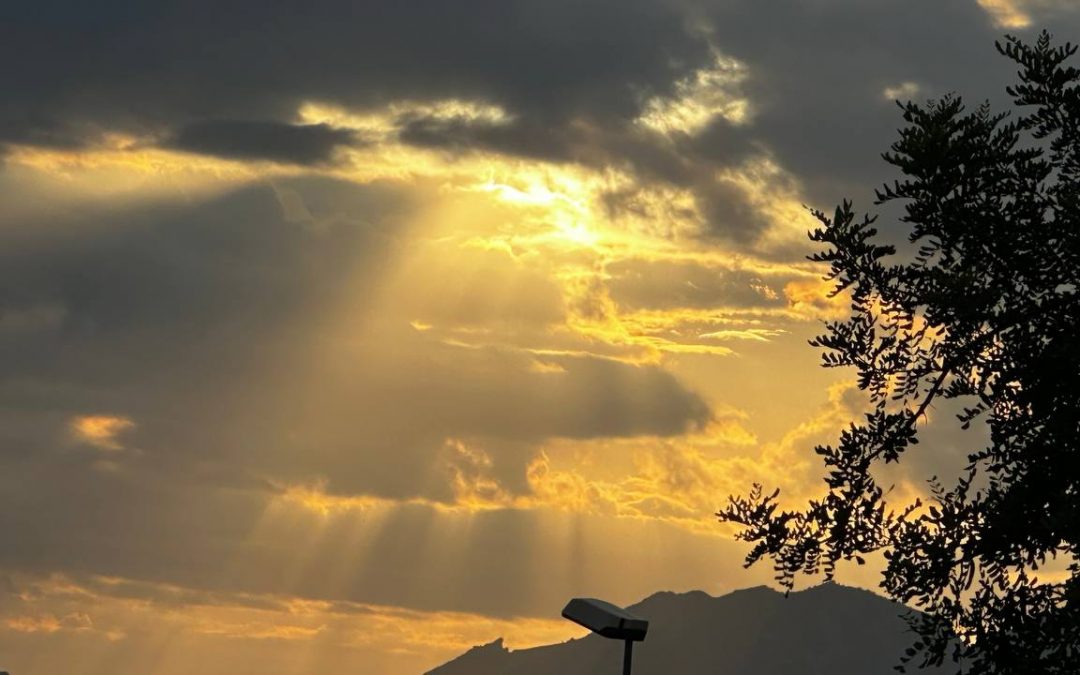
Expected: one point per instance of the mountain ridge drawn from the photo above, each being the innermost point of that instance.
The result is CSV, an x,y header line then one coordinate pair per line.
x,y
827,629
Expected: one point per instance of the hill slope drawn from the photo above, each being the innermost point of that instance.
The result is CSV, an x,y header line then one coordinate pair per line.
x,y
826,630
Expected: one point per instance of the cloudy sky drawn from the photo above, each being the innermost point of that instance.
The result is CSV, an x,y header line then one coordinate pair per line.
x,y
342,336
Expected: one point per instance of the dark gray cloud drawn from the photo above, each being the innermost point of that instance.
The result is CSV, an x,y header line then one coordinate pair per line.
x,y
120,65
637,284
522,137
729,211
195,282
573,75
818,76
817,79
293,143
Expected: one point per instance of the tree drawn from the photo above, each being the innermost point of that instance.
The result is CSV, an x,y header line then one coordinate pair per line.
x,y
984,312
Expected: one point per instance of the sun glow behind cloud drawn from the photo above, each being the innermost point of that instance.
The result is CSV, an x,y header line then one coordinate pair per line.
x,y
519,268
525,217
542,216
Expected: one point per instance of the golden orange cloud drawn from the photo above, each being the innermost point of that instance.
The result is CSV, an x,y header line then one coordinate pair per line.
x,y
679,481
101,431
710,92
812,298
116,609
1007,13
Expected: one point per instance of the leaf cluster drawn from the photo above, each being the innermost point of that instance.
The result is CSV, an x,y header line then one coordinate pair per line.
x,y
983,310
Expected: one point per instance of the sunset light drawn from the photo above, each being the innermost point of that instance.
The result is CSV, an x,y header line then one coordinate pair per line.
x,y
348,337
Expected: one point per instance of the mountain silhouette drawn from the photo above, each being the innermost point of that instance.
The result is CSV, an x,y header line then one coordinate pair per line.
x,y
825,630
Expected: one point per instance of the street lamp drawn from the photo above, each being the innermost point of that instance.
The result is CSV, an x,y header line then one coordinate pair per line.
x,y
604,618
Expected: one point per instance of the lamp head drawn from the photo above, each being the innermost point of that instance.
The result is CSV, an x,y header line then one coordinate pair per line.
x,y
606,619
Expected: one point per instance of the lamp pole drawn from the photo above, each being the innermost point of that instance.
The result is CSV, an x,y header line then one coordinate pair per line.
x,y
610,621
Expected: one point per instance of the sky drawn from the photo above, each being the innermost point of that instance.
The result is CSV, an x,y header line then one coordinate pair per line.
x,y
343,336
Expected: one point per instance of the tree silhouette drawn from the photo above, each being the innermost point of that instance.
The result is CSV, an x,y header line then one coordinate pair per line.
x,y
985,311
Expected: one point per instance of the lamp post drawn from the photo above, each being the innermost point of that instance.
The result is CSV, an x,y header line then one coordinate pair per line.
x,y
604,618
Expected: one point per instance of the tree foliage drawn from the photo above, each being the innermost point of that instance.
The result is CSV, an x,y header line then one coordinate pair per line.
x,y
983,311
